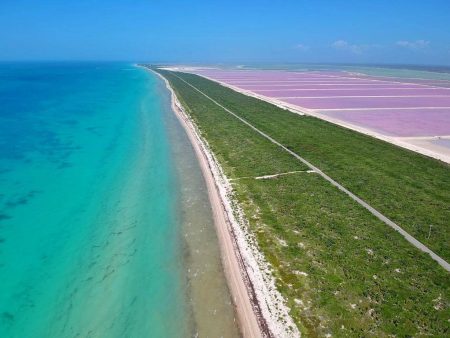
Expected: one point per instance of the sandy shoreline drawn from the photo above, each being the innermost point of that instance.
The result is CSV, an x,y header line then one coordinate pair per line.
x,y
260,308
248,321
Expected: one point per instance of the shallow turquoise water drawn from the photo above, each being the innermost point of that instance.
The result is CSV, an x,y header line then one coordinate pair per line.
x,y
90,241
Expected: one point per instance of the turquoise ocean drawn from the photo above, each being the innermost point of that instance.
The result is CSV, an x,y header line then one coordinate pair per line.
x,y
103,209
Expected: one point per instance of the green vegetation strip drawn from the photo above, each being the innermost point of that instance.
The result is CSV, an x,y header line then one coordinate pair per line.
x,y
342,270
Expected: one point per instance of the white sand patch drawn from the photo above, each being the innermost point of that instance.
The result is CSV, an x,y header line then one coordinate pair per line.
x,y
298,302
300,273
282,174
438,304
282,242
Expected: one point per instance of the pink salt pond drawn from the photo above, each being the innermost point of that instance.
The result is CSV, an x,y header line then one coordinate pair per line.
x,y
418,109
370,102
412,123
353,92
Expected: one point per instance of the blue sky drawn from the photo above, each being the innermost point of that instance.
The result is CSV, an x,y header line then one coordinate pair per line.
x,y
393,31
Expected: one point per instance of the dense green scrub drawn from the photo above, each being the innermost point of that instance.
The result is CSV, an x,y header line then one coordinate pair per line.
x,y
341,270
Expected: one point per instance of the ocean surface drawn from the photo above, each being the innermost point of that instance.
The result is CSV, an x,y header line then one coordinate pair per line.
x,y
105,225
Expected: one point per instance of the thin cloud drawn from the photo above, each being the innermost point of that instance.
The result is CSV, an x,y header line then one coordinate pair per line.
x,y
340,44
418,44
344,45
302,47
